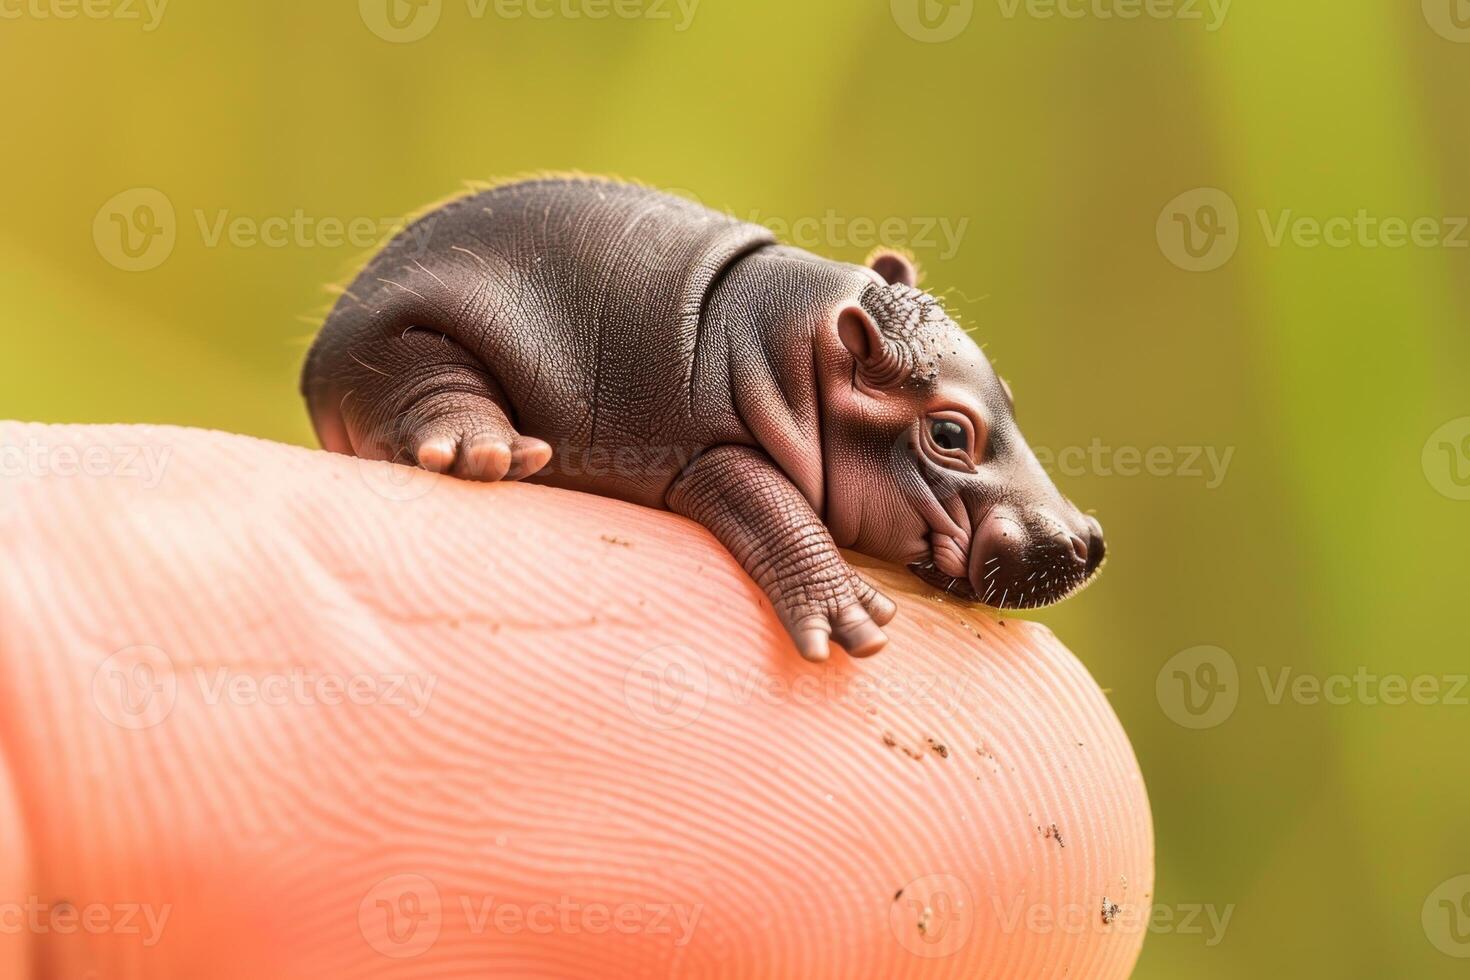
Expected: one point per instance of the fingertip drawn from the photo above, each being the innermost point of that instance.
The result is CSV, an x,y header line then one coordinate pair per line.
x,y
989,804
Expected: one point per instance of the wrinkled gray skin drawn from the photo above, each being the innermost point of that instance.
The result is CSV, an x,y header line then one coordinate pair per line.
x,y
611,339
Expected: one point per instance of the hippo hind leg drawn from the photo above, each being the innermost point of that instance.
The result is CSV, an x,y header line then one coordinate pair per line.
x,y
420,398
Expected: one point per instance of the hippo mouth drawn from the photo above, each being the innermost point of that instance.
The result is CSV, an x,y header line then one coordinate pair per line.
x,y
1032,594
1018,568
930,573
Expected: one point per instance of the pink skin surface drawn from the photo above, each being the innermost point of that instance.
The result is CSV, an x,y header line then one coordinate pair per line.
x,y
278,713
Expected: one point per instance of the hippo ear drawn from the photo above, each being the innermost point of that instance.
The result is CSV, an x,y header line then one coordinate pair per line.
x,y
876,359
894,267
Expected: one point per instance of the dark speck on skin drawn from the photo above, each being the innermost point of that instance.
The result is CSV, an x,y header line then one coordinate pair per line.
x,y
1110,911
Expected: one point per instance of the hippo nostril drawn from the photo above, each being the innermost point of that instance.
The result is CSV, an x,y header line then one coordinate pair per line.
x,y
1096,549
1079,548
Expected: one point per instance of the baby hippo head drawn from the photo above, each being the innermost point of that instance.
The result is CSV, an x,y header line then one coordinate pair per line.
x,y
925,464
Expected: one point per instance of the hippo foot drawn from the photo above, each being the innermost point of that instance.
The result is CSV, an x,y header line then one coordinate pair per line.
x,y
497,454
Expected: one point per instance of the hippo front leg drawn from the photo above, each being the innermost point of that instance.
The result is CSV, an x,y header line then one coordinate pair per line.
x,y
765,522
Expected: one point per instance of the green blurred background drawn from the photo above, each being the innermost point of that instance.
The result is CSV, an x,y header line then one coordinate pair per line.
x,y
1035,165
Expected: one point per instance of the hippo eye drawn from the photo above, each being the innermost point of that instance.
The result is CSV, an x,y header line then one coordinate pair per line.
x,y
949,436
949,440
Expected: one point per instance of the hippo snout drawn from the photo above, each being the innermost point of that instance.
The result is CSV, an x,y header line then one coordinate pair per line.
x,y
1097,549
1020,560
1087,543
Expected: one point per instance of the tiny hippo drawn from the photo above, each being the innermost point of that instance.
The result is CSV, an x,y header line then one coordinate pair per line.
x,y
605,337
